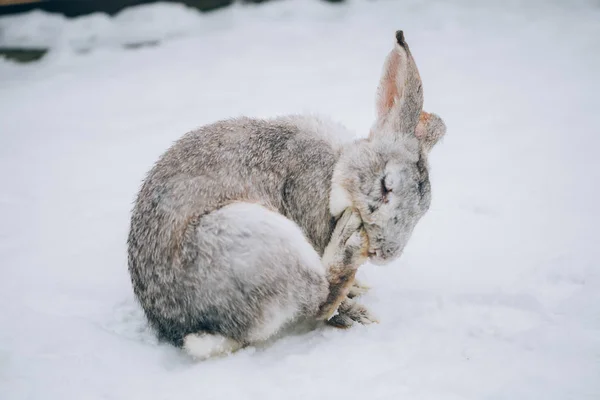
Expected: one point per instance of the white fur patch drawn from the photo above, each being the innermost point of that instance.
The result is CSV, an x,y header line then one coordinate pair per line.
x,y
275,318
204,345
339,198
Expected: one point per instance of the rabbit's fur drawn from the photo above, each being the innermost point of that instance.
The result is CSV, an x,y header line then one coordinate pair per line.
x,y
246,225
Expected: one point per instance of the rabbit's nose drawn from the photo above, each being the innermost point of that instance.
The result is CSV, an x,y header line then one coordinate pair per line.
x,y
389,252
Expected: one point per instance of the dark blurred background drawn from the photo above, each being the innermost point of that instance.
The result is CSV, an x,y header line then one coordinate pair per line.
x,y
75,8
72,8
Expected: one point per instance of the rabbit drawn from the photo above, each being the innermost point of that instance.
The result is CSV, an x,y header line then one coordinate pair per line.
x,y
246,226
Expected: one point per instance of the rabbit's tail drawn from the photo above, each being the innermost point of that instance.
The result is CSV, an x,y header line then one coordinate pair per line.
x,y
204,345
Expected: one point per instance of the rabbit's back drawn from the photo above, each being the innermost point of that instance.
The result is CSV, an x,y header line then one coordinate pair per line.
x,y
285,164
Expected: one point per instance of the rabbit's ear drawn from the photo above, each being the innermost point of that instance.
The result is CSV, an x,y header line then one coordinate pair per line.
x,y
400,94
430,129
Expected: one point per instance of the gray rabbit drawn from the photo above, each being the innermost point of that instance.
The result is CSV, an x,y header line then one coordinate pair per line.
x,y
245,225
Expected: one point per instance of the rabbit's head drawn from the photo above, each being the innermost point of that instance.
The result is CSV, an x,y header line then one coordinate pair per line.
x,y
385,177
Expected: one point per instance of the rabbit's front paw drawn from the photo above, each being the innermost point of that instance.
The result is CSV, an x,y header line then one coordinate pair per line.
x,y
349,223
349,243
346,251
350,312
358,289
356,248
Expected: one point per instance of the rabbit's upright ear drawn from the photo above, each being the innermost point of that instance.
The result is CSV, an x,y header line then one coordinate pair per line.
x,y
400,93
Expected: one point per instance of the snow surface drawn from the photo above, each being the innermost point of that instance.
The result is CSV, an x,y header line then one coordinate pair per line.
x,y
498,293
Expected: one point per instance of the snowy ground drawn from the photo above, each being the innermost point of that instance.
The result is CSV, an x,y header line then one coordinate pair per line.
x,y
498,293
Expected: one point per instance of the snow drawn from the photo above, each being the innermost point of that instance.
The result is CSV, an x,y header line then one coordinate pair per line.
x,y
498,293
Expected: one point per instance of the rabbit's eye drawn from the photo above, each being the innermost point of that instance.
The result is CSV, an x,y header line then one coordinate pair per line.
x,y
385,191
